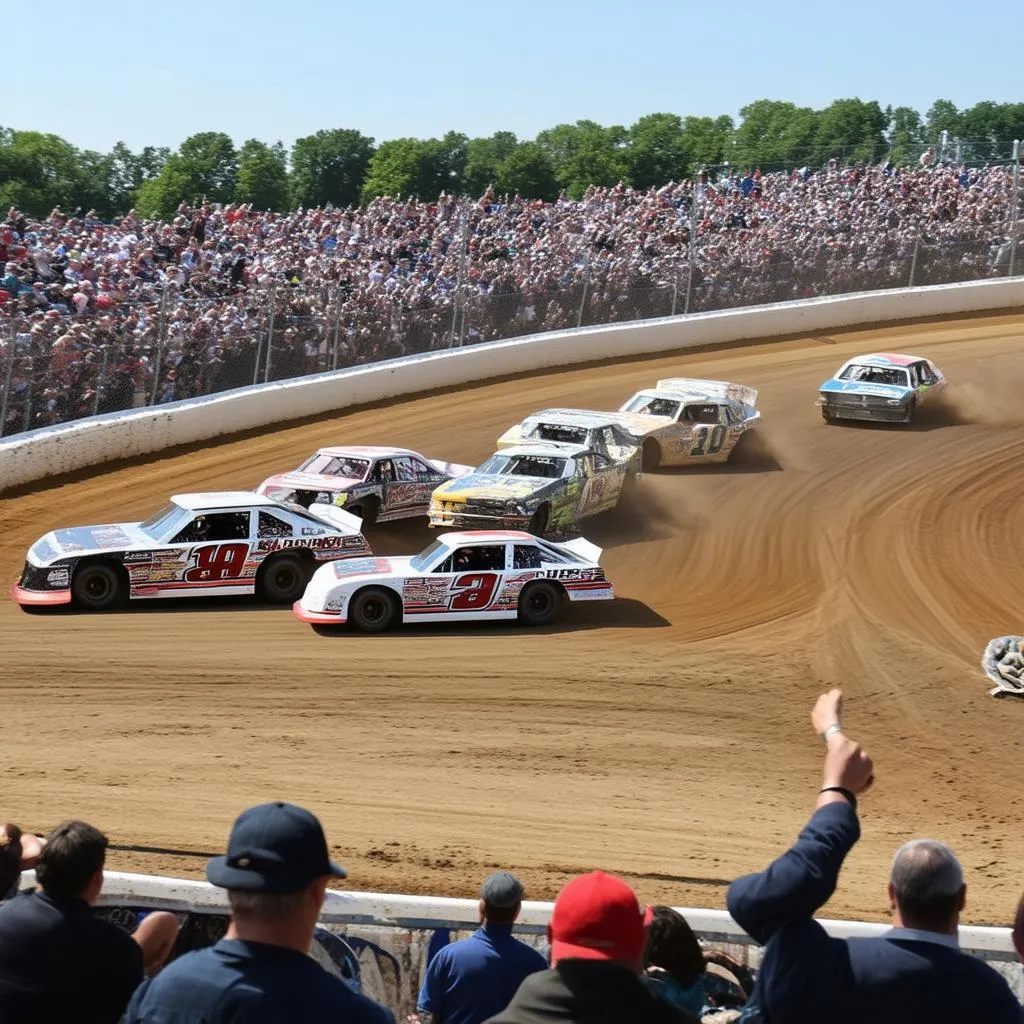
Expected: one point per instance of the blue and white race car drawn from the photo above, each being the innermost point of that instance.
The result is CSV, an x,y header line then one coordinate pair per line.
x,y
884,387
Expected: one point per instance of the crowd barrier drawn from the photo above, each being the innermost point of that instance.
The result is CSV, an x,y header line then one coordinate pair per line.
x,y
392,937
52,451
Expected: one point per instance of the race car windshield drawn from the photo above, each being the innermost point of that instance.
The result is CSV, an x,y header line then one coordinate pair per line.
x,y
336,465
876,375
654,406
165,523
524,465
559,432
425,559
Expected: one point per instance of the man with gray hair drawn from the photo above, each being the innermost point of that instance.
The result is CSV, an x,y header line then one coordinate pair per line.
x,y
914,972
472,980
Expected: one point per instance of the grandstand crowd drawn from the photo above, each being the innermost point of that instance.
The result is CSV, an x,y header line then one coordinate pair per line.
x,y
98,317
610,961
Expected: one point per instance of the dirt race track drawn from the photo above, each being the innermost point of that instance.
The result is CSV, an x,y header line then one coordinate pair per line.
x,y
663,736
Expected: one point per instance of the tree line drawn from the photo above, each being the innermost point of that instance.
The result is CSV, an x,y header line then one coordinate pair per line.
x,y
345,167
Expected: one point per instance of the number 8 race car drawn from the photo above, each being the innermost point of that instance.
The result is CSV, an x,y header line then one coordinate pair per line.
x,y
229,543
473,575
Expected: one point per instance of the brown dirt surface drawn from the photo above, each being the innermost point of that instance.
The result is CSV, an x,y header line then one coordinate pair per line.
x,y
663,736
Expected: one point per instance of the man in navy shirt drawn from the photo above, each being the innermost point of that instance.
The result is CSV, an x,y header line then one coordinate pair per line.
x,y
475,978
276,872
914,972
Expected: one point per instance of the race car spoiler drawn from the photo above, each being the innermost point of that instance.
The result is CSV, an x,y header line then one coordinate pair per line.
x,y
336,517
710,389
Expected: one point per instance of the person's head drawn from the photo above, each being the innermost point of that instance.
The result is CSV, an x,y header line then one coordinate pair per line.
x,y
71,863
597,917
276,870
672,946
926,887
10,858
501,898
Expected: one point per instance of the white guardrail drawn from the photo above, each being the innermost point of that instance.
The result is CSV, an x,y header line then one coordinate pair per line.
x,y
63,448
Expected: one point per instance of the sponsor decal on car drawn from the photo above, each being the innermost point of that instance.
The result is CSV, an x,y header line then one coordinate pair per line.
x,y
58,578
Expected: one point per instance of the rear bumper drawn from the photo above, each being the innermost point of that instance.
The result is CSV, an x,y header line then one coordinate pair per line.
x,y
316,618
39,598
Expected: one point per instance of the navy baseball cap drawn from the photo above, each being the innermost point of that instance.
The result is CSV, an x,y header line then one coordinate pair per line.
x,y
275,848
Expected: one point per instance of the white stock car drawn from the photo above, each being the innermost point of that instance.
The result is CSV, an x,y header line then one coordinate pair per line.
x,y
686,422
463,576
227,543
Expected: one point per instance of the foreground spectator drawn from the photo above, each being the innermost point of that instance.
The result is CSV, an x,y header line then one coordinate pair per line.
x,y
915,972
473,979
1018,930
597,935
675,962
19,851
58,961
276,872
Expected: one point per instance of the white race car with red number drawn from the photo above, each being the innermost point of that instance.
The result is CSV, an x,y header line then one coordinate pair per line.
x,y
466,576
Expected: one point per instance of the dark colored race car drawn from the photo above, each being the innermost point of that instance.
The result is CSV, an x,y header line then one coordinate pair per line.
x,y
229,543
376,484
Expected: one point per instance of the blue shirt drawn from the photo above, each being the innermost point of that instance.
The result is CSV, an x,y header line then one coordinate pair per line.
x,y
475,978
249,983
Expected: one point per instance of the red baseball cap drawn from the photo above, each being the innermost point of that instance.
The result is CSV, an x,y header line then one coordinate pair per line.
x,y
597,917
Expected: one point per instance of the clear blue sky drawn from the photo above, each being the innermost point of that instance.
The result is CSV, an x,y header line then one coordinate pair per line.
x,y
155,72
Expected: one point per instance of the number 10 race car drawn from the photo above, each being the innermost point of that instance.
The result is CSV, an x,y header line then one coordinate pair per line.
x,y
230,543
474,575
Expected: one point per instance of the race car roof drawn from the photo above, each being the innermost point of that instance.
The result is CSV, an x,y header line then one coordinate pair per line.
x,y
553,448
484,536
573,417
887,359
221,499
367,451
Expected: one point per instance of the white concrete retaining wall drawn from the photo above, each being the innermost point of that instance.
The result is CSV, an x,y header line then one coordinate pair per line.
x,y
52,451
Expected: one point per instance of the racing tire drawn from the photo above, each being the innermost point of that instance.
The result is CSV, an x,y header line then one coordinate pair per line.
x,y
538,604
99,586
911,411
373,610
282,579
539,521
366,509
650,456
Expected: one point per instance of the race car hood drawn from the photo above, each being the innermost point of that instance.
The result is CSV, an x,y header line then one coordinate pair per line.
x,y
640,424
856,387
491,487
308,481
452,469
87,540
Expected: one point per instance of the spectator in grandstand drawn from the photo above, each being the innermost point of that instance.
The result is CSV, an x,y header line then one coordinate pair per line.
x,y
597,934
59,962
475,978
916,971
19,851
276,872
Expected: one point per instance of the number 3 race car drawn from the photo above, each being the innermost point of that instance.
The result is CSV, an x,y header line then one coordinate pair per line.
x,y
542,486
460,577
231,543
683,422
883,387
376,484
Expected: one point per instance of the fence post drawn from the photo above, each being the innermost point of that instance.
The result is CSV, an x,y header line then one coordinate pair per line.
x,y
586,285
913,259
7,379
675,292
27,424
457,298
161,334
270,330
1015,208
337,327
100,380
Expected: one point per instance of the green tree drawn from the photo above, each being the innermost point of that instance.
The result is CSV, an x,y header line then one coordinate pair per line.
x,y
40,170
329,167
205,167
905,132
127,171
942,117
851,129
773,133
586,153
658,151
484,157
160,196
708,140
423,168
262,175
527,172
988,129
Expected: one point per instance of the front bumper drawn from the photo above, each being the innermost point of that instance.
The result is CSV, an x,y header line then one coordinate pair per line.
x,y
868,410
316,618
473,518
39,598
